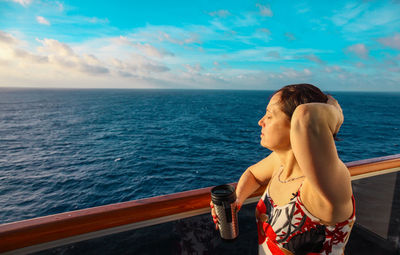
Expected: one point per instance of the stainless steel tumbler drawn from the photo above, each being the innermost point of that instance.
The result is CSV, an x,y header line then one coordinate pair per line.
x,y
223,198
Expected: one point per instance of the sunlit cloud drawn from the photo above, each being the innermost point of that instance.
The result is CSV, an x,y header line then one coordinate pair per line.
x,y
330,69
290,36
360,65
265,10
152,51
220,13
314,58
193,68
180,38
23,2
7,38
42,20
392,41
292,73
52,46
274,54
302,7
145,48
348,13
359,49
245,20
98,20
265,30
60,6
359,17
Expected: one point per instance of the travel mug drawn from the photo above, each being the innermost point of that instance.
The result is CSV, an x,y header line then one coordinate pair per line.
x,y
223,198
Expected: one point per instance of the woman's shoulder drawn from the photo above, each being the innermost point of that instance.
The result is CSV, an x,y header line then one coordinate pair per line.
x,y
264,169
269,163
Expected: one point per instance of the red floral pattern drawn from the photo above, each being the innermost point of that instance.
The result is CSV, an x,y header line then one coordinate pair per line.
x,y
301,222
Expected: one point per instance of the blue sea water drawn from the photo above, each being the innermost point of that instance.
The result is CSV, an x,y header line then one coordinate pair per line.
x,y
63,150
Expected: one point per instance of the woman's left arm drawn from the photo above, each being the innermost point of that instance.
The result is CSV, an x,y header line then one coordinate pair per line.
x,y
311,136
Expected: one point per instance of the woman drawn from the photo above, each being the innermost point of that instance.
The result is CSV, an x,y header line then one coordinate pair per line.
x,y
308,206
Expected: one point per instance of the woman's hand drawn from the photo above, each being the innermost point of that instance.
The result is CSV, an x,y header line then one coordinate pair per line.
x,y
332,101
237,205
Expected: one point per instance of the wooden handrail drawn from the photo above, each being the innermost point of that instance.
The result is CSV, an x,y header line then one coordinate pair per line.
x,y
30,232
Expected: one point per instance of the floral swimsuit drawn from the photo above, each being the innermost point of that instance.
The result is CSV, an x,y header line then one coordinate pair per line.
x,y
293,228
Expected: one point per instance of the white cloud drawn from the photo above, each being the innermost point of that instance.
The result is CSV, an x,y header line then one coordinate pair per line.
x,y
145,48
367,16
52,46
9,48
156,68
245,20
32,57
302,7
218,25
183,38
60,6
268,54
23,2
331,69
265,10
261,33
42,20
313,58
274,54
193,68
152,51
318,24
62,55
220,13
290,36
96,20
7,38
360,65
303,10
359,49
292,73
265,30
392,42
348,13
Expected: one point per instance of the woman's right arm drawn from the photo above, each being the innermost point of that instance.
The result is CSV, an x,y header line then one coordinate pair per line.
x,y
255,176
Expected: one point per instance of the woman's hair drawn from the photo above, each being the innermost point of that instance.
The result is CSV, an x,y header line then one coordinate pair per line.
x,y
297,94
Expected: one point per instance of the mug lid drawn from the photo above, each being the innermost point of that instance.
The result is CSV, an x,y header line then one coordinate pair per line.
x,y
222,193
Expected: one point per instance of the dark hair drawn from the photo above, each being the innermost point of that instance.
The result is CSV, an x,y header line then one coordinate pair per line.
x,y
297,94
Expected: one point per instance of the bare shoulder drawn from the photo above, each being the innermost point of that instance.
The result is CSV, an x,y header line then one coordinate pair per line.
x,y
264,169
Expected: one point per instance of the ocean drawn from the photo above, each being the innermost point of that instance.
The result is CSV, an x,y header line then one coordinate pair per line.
x,y
69,149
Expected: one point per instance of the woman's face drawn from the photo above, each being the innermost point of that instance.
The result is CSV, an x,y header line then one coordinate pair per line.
x,y
275,127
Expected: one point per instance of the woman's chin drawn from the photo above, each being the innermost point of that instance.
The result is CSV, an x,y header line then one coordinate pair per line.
x,y
264,145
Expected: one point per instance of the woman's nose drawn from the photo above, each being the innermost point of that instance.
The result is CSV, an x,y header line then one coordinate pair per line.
x,y
261,122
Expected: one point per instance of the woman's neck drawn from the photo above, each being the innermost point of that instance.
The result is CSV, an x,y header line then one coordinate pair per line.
x,y
290,166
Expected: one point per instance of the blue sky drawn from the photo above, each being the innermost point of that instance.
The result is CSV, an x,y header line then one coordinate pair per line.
x,y
336,45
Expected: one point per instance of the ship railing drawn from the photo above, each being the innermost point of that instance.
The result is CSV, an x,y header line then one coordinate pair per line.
x,y
378,216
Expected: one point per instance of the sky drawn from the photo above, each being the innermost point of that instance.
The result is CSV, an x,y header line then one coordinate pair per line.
x,y
246,45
